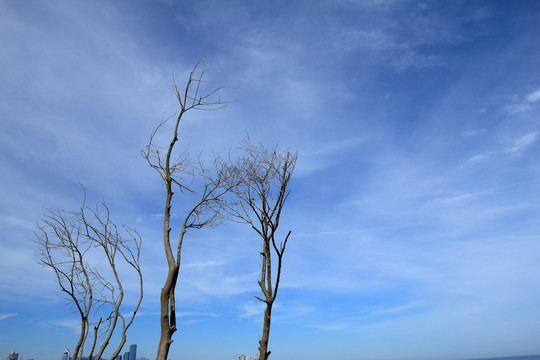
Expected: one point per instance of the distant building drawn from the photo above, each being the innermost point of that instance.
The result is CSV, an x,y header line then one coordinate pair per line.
x,y
245,357
126,355
65,355
132,352
13,356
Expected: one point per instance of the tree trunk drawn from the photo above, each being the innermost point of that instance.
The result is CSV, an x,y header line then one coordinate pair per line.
x,y
167,329
263,343
172,171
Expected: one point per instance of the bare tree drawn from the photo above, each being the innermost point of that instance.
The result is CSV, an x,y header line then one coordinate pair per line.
x,y
264,176
72,243
182,173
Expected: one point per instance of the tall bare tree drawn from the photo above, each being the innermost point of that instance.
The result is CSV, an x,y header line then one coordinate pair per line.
x,y
71,243
179,172
264,176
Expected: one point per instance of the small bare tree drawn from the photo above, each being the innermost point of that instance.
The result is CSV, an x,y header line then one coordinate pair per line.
x,y
183,173
71,243
264,176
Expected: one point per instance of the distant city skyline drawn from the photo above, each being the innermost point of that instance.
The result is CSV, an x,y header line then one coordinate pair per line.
x,y
245,357
13,356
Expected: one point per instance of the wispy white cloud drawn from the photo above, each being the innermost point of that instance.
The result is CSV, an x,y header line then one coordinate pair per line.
x,y
189,318
519,144
461,197
315,158
284,310
474,132
4,316
148,313
219,283
287,310
524,141
194,313
252,309
17,222
336,326
399,309
517,107
477,158
73,324
523,103
21,276
403,44
533,97
204,264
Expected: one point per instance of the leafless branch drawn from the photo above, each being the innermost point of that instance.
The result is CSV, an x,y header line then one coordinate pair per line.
x,y
68,242
264,176
207,185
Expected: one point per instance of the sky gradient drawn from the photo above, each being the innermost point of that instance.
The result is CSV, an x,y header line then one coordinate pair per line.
x,y
414,207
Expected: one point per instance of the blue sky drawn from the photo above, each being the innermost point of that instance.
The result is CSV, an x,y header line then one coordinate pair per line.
x,y
414,207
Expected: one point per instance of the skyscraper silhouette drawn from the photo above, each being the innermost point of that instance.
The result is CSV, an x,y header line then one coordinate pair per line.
x,y
132,352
